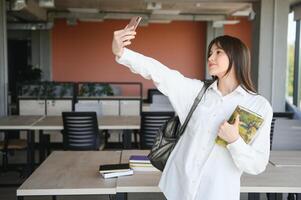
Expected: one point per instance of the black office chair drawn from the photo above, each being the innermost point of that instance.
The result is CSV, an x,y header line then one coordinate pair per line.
x,y
151,122
150,93
81,131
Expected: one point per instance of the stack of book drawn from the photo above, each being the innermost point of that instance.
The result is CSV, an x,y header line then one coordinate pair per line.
x,y
115,170
141,163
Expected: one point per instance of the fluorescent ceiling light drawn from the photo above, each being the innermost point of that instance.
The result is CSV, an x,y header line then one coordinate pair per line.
x,y
166,12
243,13
84,10
159,21
46,3
91,20
219,24
154,6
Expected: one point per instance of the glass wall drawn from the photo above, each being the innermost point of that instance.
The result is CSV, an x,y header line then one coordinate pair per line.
x,y
291,51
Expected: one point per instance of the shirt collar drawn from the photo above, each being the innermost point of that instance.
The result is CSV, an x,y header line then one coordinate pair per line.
x,y
239,90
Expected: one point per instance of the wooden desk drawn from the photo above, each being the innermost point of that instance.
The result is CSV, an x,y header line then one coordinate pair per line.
x,y
273,180
71,173
285,158
41,123
76,173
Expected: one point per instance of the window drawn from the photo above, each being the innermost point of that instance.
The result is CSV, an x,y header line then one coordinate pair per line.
x,y
291,39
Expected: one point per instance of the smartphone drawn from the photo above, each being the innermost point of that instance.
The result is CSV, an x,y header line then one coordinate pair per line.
x,y
134,22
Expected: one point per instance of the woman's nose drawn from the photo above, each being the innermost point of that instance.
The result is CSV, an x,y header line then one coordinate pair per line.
x,y
211,57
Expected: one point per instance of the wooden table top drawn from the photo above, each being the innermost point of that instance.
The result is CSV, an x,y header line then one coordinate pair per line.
x,y
273,179
71,173
285,158
104,122
18,122
76,173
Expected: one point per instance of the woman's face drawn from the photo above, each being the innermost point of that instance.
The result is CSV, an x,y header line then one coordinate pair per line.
x,y
218,62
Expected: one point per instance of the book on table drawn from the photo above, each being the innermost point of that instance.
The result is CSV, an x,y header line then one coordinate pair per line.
x,y
250,122
114,168
147,168
118,174
139,159
141,163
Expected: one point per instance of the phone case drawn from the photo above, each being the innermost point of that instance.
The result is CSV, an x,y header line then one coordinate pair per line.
x,y
134,22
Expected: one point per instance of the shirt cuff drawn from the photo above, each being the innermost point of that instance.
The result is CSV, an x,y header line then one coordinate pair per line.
x,y
124,55
237,146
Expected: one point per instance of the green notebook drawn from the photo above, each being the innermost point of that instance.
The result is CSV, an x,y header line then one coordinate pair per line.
x,y
249,124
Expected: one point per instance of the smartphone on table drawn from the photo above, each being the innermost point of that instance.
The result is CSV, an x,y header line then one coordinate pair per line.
x,y
134,22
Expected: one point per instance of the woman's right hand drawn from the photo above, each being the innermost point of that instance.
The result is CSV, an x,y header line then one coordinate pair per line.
x,y
121,39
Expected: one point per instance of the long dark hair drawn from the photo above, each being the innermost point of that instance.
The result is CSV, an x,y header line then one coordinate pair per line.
x,y
239,57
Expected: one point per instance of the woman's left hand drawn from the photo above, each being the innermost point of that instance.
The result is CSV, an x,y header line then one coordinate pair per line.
x,y
229,132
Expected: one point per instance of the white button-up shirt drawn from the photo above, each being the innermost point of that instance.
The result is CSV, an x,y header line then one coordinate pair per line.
x,y
198,168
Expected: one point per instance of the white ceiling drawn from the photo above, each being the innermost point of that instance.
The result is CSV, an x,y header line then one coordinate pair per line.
x,y
197,10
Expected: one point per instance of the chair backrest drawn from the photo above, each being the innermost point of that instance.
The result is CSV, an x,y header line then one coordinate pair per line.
x,y
151,122
288,115
80,131
151,92
287,134
160,99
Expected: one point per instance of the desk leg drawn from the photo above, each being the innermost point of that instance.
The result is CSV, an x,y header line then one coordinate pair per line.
x,y
30,151
42,146
121,196
253,196
127,139
298,196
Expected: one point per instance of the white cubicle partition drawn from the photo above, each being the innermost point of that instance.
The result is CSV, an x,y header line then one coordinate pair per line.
x,y
57,106
109,107
130,107
31,107
89,107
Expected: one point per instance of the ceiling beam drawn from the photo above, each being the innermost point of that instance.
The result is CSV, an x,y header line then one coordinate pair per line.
x,y
202,1
116,15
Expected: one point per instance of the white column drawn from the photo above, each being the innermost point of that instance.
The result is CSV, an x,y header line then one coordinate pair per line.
x,y
272,55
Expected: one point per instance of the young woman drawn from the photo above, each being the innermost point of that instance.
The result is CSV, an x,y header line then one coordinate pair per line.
x,y
198,168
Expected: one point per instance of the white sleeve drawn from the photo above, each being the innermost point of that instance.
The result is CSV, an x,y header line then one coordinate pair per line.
x,y
180,90
253,158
